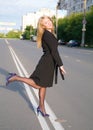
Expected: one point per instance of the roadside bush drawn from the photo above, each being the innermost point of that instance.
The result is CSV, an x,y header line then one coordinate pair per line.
x,y
70,27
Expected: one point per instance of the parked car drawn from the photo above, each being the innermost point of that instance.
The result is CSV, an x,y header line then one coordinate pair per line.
x,y
73,43
33,38
22,37
61,42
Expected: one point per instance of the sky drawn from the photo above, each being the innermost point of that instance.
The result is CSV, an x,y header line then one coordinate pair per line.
x,y
13,10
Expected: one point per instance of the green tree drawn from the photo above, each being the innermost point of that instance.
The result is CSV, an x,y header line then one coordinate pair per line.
x,y
13,34
28,32
62,25
70,27
54,21
2,35
89,27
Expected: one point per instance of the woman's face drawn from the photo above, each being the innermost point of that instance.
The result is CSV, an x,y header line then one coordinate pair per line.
x,y
47,23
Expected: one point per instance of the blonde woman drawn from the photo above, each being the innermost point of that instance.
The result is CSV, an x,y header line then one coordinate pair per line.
x,y
42,77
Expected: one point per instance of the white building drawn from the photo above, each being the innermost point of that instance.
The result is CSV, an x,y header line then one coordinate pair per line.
x,y
73,6
28,19
32,18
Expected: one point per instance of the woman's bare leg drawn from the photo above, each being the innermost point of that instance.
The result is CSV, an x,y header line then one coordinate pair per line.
x,y
42,94
28,81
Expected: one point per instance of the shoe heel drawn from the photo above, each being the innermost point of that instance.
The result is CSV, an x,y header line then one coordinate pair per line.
x,y
10,76
39,111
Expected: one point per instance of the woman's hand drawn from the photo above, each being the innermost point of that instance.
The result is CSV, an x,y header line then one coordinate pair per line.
x,y
62,69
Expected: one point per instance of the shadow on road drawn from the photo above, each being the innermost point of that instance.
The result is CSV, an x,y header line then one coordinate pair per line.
x,y
16,87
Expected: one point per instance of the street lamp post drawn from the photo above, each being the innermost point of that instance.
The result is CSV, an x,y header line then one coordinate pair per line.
x,y
34,23
57,7
84,26
56,19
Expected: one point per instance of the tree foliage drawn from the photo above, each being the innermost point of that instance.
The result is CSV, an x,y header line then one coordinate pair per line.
x,y
29,30
89,27
13,34
70,27
2,35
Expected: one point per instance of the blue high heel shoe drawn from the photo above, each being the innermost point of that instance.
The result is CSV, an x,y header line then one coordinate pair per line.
x,y
9,77
43,114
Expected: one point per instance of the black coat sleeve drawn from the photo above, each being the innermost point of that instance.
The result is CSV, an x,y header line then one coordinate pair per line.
x,y
52,44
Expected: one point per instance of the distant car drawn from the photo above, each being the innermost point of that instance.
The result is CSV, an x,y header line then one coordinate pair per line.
x,y
21,37
61,42
33,38
73,43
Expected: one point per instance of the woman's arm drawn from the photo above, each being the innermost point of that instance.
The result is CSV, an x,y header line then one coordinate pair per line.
x,y
52,43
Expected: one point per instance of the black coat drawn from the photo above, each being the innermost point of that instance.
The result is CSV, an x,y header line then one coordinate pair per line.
x,y
44,72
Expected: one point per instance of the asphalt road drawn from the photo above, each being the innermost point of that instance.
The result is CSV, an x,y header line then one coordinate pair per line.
x,y
69,103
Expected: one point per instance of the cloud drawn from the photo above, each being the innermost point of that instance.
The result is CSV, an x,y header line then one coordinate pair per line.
x,y
20,6
13,10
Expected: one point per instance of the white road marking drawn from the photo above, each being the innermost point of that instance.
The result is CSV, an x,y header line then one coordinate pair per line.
x,y
66,56
42,121
77,60
6,42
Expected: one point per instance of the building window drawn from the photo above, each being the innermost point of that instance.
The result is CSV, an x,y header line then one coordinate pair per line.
x,y
82,5
73,8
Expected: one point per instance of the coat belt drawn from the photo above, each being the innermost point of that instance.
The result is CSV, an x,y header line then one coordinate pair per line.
x,y
56,74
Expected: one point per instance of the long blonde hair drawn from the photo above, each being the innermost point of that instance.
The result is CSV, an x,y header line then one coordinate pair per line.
x,y
40,30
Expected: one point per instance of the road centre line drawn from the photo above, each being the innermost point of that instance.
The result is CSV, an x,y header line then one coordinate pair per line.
x,y
52,118
77,60
42,121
